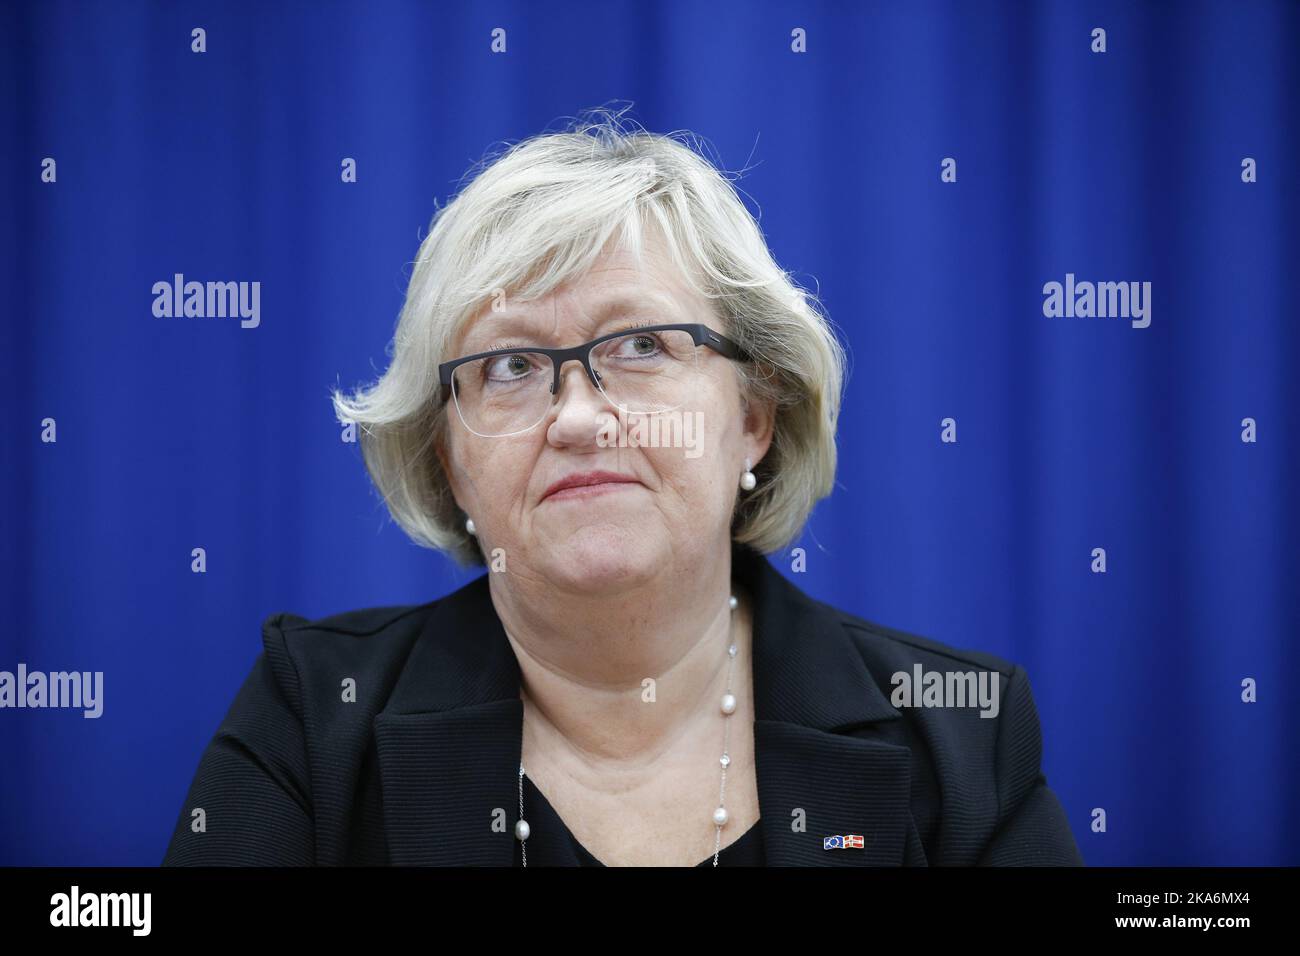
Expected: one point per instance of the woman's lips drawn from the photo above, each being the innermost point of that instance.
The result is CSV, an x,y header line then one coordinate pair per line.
x,y
590,491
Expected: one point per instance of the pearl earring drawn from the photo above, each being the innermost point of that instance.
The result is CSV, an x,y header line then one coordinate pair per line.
x,y
747,479
469,526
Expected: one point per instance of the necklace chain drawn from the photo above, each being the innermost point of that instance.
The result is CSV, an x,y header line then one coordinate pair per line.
x,y
720,815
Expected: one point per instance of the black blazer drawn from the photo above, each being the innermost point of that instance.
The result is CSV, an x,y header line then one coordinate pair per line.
x,y
412,771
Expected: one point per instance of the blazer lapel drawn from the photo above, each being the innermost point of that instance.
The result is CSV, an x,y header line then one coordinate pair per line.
x,y
450,738
822,767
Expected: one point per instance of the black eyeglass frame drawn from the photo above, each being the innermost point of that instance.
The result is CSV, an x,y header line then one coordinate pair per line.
x,y
699,332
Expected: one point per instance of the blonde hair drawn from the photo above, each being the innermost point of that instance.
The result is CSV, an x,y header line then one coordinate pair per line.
x,y
538,215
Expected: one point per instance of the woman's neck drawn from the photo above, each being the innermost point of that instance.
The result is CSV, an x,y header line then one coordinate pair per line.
x,y
612,684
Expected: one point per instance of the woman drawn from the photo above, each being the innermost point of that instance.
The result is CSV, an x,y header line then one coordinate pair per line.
x,y
605,390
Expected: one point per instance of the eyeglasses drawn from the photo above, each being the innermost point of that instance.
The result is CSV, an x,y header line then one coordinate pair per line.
x,y
647,370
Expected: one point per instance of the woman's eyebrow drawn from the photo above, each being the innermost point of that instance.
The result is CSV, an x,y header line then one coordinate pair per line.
x,y
493,327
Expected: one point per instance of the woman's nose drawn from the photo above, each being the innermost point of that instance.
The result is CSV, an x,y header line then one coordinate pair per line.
x,y
580,410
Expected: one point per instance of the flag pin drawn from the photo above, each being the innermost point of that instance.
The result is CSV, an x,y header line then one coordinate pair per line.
x,y
851,841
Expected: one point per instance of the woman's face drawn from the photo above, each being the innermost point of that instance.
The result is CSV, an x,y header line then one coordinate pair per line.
x,y
675,507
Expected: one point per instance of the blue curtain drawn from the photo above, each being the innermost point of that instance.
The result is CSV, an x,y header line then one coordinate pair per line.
x,y
1073,433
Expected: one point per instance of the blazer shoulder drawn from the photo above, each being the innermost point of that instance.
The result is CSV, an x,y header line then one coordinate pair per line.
x,y
893,645
962,702
360,622
310,656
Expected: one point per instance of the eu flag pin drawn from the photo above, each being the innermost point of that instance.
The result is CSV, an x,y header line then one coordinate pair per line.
x,y
851,841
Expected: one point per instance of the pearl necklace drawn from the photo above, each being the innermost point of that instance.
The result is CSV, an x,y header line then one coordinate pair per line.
x,y
720,816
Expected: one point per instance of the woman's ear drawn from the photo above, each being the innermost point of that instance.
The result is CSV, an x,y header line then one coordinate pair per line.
x,y
759,425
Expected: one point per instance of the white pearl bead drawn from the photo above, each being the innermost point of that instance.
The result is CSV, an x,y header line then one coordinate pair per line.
x,y
470,526
522,830
732,602
720,816
728,703
748,481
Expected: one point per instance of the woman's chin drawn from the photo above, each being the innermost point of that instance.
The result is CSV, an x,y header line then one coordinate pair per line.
x,y
600,558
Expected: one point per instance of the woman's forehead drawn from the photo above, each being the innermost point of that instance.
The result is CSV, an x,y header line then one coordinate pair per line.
x,y
575,316
627,279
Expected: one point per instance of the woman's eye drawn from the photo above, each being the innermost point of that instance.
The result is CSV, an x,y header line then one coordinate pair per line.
x,y
640,345
506,368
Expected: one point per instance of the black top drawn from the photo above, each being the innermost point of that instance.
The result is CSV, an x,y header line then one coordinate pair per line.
x,y
551,843
419,765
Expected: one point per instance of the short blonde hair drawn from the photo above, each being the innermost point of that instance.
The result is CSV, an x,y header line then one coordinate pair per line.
x,y
538,215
